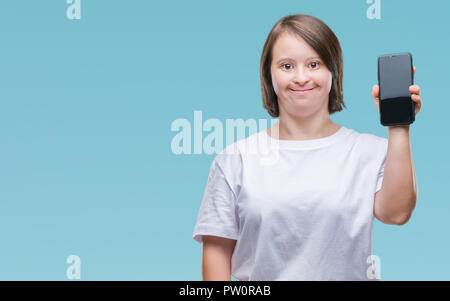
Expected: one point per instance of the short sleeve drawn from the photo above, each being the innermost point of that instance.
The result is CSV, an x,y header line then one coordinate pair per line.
x,y
217,214
383,151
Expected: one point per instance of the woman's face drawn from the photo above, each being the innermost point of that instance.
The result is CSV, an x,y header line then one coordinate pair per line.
x,y
295,67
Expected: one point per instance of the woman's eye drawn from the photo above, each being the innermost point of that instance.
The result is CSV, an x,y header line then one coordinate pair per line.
x,y
286,65
316,64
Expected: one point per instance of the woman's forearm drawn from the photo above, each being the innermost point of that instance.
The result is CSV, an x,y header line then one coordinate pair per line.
x,y
399,181
216,259
215,267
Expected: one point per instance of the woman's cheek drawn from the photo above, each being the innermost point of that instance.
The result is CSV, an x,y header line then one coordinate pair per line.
x,y
275,85
330,81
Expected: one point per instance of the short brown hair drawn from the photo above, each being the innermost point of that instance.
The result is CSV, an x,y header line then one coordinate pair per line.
x,y
322,39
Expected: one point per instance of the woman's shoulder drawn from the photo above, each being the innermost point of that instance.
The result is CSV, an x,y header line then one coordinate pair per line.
x,y
230,158
241,147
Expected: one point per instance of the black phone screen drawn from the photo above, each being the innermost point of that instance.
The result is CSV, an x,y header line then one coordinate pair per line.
x,y
395,75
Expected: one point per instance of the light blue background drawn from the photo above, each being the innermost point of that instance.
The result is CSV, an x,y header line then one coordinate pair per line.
x,y
86,165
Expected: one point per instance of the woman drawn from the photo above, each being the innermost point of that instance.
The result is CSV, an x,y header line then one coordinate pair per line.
x,y
309,214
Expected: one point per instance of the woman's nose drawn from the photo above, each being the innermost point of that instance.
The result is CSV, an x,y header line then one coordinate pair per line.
x,y
301,77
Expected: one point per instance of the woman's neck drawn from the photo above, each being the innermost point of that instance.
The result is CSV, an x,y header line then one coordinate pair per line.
x,y
292,130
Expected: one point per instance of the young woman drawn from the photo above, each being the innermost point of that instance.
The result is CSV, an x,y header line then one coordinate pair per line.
x,y
309,214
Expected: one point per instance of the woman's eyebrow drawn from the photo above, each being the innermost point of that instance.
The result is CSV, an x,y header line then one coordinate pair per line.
x,y
288,58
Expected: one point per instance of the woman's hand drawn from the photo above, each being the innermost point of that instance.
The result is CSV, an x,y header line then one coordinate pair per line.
x,y
415,95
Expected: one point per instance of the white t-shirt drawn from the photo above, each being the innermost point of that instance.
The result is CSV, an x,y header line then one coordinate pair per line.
x,y
299,209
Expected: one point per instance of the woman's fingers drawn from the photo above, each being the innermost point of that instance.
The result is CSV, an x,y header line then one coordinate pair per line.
x,y
375,91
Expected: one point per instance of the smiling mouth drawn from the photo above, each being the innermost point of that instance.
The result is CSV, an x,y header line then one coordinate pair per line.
x,y
302,91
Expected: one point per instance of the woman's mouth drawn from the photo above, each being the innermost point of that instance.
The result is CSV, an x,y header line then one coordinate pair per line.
x,y
301,92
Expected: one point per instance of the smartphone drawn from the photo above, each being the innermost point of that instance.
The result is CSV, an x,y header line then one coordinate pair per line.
x,y
395,75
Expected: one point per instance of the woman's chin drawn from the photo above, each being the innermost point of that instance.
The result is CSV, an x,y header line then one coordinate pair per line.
x,y
301,109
